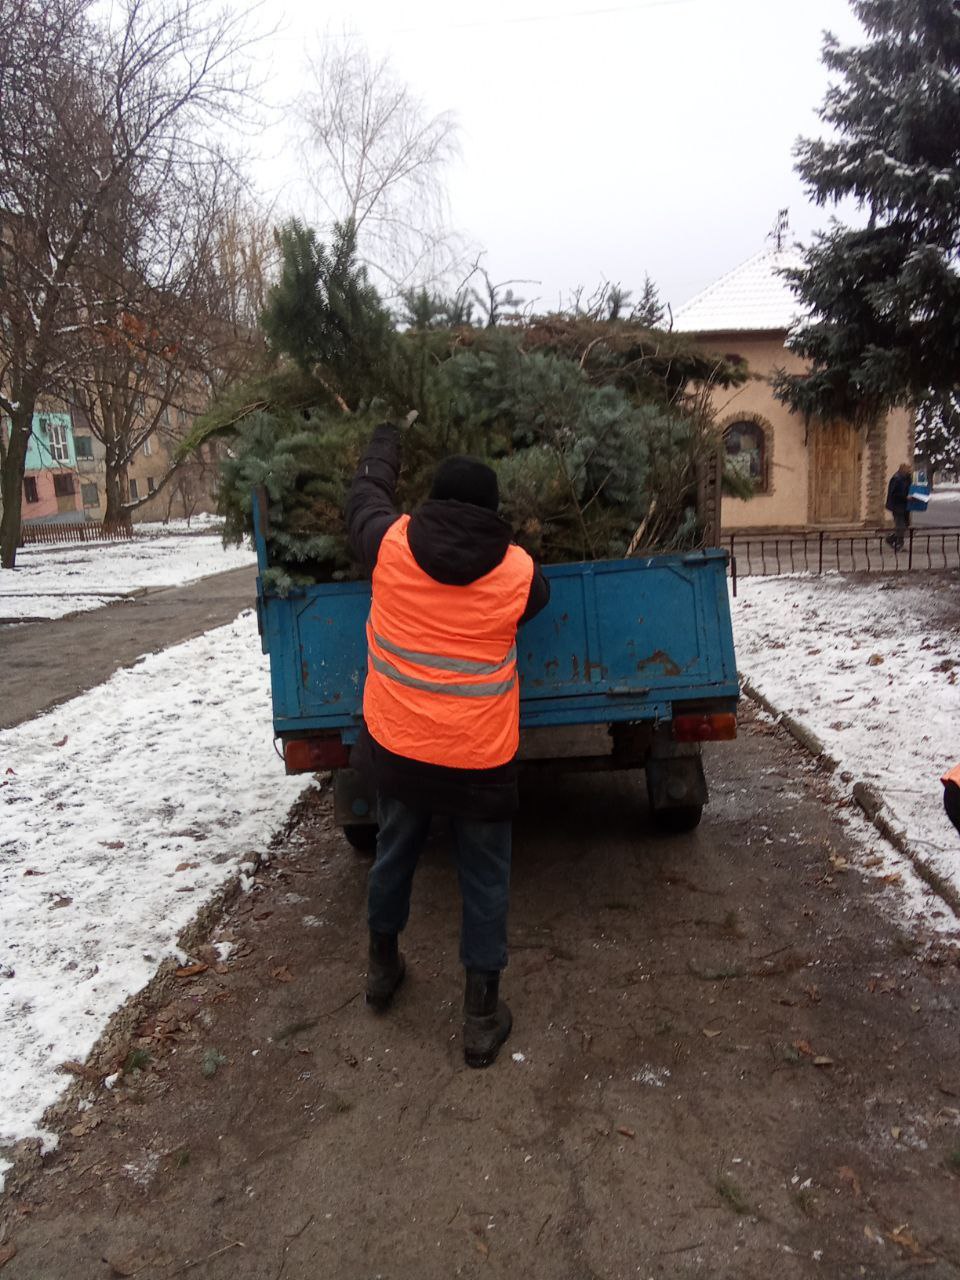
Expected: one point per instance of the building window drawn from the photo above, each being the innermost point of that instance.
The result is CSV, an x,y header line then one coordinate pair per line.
x,y
147,448
30,491
151,487
83,446
63,485
134,490
91,495
56,440
746,447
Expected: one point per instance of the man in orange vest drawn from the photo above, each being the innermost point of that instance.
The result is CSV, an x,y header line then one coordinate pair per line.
x,y
441,708
951,795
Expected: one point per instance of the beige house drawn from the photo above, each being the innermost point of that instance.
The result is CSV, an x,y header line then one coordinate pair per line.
x,y
816,475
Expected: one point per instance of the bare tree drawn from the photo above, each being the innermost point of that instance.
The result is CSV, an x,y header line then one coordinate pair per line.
x,y
99,115
376,157
173,294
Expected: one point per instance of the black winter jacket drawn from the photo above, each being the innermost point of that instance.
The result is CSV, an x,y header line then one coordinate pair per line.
x,y
898,493
455,543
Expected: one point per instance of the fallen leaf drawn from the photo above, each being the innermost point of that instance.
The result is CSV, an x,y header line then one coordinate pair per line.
x,y
89,1122
874,660
875,861
627,1133
60,902
62,742
282,974
813,993
128,1264
191,970
915,1008
894,878
821,1060
113,844
838,863
221,969
710,1033
883,986
30,872
896,1132
846,1174
7,1251
803,1046
905,1238
873,1234
8,772
186,866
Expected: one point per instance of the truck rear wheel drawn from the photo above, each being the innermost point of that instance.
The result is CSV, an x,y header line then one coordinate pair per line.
x,y
675,821
362,836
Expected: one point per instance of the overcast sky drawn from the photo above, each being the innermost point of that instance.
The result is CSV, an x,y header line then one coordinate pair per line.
x,y
600,139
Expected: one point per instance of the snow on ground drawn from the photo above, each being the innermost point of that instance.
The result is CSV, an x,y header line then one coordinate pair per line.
x,y
873,669
49,582
122,812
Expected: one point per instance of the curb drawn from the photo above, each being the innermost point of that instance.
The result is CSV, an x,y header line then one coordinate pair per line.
x,y
869,799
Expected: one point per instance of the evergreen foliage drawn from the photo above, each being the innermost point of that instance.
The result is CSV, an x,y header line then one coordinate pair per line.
x,y
590,426
884,300
325,315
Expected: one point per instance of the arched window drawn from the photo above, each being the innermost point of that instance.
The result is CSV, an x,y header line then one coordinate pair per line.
x,y
746,446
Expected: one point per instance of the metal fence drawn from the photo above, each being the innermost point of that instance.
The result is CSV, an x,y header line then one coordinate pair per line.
x,y
32,535
843,551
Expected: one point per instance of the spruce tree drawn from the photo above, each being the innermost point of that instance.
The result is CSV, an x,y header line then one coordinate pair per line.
x,y
882,301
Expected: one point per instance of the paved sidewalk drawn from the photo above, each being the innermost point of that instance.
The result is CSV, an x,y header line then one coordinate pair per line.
x,y
45,663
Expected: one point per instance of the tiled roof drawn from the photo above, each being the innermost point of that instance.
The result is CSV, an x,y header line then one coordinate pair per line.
x,y
750,297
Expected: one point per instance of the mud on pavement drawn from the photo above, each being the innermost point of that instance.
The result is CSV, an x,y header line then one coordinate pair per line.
x,y
728,1060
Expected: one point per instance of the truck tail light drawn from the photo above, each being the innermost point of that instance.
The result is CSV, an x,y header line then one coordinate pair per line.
x,y
313,755
719,727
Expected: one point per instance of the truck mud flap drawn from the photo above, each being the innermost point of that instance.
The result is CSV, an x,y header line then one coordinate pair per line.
x,y
676,781
354,801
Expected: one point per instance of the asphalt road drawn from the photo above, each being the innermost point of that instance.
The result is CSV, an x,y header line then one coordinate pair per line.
x,y
731,1059
45,663
944,509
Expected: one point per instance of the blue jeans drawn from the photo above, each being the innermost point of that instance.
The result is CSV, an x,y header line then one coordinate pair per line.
x,y
482,854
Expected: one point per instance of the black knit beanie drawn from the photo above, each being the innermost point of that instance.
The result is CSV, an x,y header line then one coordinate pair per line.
x,y
467,479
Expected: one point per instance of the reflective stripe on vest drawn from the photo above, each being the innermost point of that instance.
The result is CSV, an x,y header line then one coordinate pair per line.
x,y
442,684
952,776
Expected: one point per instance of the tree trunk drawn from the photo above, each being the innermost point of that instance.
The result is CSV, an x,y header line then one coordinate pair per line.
x,y
115,517
11,483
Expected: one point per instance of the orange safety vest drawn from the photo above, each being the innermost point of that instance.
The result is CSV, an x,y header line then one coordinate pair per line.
x,y
442,682
953,775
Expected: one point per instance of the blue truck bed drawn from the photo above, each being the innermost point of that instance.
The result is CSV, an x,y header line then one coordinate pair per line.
x,y
620,640
642,646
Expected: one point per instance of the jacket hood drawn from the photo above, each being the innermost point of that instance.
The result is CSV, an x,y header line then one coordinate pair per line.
x,y
457,542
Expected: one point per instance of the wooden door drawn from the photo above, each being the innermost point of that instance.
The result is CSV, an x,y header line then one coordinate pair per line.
x,y
835,474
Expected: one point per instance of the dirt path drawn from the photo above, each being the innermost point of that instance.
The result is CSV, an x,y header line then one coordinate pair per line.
x,y
727,1061
45,663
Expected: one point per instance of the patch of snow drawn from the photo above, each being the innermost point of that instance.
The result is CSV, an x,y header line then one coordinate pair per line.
x,y
654,1076
169,762
519,1057
311,922
143,1172
50,582
111,1080
223,949
867,666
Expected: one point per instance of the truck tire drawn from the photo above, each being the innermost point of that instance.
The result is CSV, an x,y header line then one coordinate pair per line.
x,y
361,836
674,822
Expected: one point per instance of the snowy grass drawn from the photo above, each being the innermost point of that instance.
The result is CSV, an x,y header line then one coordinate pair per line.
x,y
122,812
50,582
873,668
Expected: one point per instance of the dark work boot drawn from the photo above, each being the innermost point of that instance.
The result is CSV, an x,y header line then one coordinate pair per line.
x,y
486,1019
385,970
